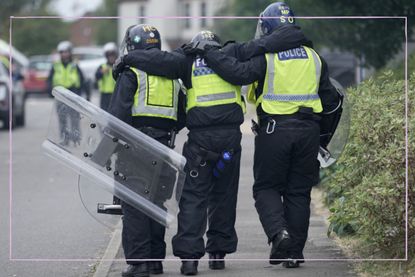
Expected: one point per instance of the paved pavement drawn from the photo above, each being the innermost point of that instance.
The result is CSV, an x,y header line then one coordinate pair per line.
x,y
48,220
252,241
52,235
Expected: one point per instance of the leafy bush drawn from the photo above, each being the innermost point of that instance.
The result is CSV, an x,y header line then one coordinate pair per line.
x,y
366,195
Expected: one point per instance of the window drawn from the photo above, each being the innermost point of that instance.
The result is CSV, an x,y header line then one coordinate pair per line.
x,y
142,12
203,12
187,13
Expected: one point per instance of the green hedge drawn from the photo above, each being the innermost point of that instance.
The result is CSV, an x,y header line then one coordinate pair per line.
x,y
366,193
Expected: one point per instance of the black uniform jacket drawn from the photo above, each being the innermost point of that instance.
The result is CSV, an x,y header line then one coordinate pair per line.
x,y
176,65
123,99
238,68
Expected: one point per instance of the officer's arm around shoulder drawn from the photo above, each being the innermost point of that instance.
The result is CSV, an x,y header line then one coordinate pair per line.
x,y
157,62
327,92
283,38
234,71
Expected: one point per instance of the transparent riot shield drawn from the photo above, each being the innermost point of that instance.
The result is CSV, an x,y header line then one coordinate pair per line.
x,y
115,156
330,155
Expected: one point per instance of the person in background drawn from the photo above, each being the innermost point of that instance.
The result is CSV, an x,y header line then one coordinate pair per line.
x,y
103,75
66,73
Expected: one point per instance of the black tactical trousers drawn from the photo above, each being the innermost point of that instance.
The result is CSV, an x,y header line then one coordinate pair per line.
x,y
105,100
207,199
142,237
285,169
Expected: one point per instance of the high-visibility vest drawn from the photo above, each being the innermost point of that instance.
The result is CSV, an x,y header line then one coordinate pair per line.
x,y
4,60
209,89
106,84
292,81
155,96
66,76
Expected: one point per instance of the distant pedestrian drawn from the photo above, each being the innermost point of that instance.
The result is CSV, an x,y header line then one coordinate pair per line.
x,y
103,75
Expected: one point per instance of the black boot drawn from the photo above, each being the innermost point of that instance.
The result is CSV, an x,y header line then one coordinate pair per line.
x,y
280,247
189,267
136,270
156,267
216,261
292,264
297,258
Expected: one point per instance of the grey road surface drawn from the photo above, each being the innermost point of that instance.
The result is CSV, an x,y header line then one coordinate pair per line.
x,y
49,224
53,235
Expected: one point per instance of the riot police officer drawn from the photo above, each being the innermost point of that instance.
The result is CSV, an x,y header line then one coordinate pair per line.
x,y
103,75
291,89
66,73
214,114
153,105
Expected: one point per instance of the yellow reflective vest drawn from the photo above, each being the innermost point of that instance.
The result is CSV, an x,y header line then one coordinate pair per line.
x,y
106,84
155,96
292,81
209,89
66,76
4,60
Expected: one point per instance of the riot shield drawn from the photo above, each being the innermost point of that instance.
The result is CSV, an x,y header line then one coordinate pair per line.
x,y
329,154
116,157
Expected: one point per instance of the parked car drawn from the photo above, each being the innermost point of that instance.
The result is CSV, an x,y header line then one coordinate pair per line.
x,y
36,75
18,98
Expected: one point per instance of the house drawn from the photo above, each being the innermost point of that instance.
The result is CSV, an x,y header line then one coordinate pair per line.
x,y
174,32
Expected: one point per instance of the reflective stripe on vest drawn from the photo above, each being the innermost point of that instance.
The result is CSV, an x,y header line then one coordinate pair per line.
x,y
292,81
67,77
208,89
106,84
155,96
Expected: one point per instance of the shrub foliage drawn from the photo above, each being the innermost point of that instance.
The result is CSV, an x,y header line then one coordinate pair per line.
x,y
367,193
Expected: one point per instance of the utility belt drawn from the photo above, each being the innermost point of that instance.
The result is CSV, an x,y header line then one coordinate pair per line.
x,y
216,127
269,122
160,134
203,156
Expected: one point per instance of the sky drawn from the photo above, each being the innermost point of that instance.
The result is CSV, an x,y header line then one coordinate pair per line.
x,y
74,7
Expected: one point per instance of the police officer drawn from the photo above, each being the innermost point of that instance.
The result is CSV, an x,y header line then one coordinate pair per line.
x,y
152,105
214,114
66,73
103,75
291,88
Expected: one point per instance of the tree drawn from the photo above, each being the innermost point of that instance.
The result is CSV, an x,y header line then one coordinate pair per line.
x,y
16,7
38,36
106,29
376,40
32,36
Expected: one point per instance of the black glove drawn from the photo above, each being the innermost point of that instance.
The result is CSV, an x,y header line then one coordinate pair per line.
x,y
192,49
198,48
118,67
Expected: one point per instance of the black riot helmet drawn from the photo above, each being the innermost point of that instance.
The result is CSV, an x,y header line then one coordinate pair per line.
x,y
208,37
142,36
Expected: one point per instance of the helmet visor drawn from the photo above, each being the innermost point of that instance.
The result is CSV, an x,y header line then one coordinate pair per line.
x,y
259,33
124,44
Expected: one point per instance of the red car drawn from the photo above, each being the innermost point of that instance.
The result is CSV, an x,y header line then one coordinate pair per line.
x,y
35,79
